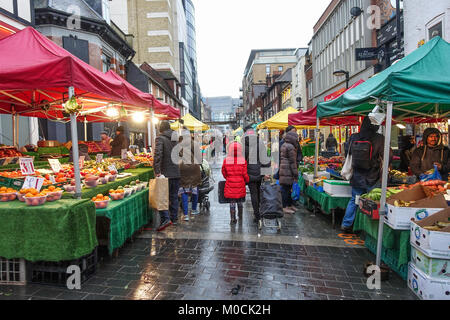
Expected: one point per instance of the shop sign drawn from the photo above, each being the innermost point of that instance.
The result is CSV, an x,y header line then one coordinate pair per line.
x,y
366,54
26,166
55,165
33,182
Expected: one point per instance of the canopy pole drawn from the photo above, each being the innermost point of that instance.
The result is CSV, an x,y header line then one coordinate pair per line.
x,y
75,153
152,136
340,140
13,118
316,156
149,131
386,154
85,129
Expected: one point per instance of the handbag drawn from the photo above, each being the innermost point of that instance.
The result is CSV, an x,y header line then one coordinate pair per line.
x,y
347,169
295,195
158,193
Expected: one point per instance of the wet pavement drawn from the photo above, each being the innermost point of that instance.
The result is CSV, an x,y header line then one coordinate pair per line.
x,y
206,258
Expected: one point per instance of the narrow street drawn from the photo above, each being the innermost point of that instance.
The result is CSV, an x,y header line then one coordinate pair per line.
x,y
205,258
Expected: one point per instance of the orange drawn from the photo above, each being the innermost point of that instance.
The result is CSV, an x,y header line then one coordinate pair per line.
x,y
94,199
106,198
51,188
34,191
99,195
29,195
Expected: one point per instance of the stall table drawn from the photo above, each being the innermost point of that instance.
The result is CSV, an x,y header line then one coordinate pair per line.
x,y
327,203
396,251
56,231
123,219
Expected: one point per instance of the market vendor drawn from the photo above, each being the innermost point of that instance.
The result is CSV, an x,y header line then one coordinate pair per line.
x,y
82,151
432,153
119,143
106,141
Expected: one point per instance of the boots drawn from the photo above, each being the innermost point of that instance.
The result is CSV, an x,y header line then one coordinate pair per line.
x,y
233,216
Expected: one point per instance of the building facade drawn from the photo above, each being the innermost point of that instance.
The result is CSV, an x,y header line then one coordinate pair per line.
x,y
260,65
15,16
223,109
299,98
336,36
423,22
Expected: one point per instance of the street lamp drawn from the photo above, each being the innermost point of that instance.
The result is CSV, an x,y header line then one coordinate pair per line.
x,y
340,73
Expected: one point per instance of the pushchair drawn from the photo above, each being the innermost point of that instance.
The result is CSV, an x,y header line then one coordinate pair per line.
x,y
205,188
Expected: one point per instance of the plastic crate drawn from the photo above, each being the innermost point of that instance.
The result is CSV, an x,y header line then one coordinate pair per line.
x,y
11,182
388,256
12,271
55,273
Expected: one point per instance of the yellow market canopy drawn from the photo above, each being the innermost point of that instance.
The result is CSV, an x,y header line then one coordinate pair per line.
x,y
238,130
191,123
278,121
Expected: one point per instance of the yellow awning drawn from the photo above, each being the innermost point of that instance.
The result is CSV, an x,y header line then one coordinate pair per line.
x,y
278,121
237,130
191,123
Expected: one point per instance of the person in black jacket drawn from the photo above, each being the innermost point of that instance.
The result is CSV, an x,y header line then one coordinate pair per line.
x,y
409,145
254,151
163,165
331,143
364,180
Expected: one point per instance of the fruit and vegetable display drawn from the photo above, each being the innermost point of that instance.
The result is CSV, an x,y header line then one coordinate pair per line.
x,y
118,194
35,198
7,194
375,194
9,152
438,226
336,160
101,201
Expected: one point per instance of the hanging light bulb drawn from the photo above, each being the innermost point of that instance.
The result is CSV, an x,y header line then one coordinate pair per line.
x,y
138,117
112,112
155,120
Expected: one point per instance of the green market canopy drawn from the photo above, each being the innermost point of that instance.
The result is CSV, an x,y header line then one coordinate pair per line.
x,y
418,84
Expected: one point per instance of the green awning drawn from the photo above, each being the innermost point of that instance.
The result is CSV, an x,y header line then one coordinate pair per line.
x,y
418,84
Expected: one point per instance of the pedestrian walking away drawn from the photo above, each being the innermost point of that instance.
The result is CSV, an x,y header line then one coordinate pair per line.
x,y
234,170
163,165
288,169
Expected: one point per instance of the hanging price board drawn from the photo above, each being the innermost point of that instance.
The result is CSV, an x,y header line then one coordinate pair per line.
x,y
124,154
55,165
26,166
33,182
130,155
81,162
99,158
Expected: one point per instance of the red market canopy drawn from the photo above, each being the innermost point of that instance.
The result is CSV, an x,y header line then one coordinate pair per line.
x,y
309,119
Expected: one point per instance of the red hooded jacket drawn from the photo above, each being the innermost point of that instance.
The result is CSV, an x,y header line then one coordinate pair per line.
x,y
234,170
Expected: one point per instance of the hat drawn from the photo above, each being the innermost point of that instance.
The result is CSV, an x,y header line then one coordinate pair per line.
x,y
104,132
120,128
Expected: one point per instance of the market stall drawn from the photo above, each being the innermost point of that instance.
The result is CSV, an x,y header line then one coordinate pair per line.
x,y
278,121
191,123
417,85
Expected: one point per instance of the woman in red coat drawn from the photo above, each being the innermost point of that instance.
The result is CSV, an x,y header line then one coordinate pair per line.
x,y
234,170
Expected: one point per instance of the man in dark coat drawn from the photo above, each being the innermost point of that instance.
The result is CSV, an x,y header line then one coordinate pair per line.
x,y
119,143
288,169
331,143
362,180
432,153
163,165
254,151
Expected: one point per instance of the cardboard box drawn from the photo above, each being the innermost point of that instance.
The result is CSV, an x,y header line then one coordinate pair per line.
x,y
399,218
425,287
337,188
432,267
433,243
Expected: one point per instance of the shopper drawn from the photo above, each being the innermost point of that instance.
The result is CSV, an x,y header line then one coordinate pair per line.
x,y
288,169
163,165
106,141
432,153
331,143
119,143
234,170
253,150
409,145
190,173
83,151
366,148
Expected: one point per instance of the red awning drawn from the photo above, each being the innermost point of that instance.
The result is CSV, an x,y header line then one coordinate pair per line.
x,y
36,74
340,92
309,118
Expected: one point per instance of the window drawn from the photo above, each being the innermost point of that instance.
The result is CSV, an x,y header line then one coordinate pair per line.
x,y
435,31
267,69
150,86
106,62
280,68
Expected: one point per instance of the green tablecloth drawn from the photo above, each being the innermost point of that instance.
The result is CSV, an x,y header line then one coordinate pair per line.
x,y
326,202
394,240
143,174
127,216
56,231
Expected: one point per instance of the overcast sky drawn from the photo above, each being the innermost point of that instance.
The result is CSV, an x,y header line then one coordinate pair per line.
x,y
228,30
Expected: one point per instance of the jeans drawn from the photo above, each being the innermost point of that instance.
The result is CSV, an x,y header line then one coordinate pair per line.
x,y
174,186
350,212
255,194
185,202
286,195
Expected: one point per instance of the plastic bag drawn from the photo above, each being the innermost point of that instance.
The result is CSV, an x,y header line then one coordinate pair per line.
x,y
347,169
158,193
434,176
271,206
295,195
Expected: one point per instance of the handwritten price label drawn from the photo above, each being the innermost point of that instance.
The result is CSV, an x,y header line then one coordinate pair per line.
x,y
55,165
81,162
130,155
26,166
33,182
99,158
124,154
112,168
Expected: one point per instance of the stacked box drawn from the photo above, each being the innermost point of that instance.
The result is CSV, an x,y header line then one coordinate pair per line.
x,y
429,269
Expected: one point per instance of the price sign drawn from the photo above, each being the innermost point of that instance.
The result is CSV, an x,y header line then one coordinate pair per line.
x,y
112,168
144,150
81,162
33,182
124,154
55,165
26,166
99,158
129,154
